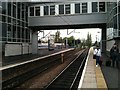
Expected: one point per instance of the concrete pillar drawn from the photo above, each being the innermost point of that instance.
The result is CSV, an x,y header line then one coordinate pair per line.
x,y
0,44
0,54
1,59
34,42
62,60
103,39
0,65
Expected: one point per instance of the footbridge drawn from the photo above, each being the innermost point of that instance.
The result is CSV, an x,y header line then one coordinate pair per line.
x,y
73,14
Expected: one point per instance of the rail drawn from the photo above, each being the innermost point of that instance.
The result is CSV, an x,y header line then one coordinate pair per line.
x,y
68,77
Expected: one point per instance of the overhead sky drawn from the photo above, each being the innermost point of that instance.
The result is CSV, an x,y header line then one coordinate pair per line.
x,y
78,34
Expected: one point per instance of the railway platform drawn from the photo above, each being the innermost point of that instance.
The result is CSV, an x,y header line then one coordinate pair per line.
x,y
92,76
23,58
18,61
111,74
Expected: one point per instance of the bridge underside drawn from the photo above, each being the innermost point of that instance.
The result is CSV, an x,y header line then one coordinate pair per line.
x,y
80,26
77,26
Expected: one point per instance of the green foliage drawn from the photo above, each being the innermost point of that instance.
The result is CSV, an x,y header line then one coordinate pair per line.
x,y
89,40
79,43
83,43
72,42
58,39
69,40
86,43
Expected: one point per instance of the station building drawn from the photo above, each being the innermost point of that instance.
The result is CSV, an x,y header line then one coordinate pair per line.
x,y
16,35
20,21
113,24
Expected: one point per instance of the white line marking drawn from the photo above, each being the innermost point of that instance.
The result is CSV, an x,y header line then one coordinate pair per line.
x,y
13,65
83,73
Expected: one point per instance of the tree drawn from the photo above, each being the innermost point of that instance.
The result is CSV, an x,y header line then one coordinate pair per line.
x,y
60,40
57,37
71,41
83,43
78,41
89,40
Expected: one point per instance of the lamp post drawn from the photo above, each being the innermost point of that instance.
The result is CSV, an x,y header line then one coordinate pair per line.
x,y
66,42
96,38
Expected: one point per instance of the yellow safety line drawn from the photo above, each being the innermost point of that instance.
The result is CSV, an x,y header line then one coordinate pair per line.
x,y
100,79
101,84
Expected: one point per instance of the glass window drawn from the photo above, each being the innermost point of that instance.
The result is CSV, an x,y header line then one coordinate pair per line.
x,y
118,9
28,31
31,11
26,14
26,34
0,7
61,9
3,18
9,8
115,22
37,11
18,10
119,20
26,24
119,23
77,8
18,22
46,10
84,7
101,6
4,31
23,11
67,9
115,10
52,10
14,9
14,33
109,6
114,4
9,20
9,32
23,34
94,6
23,24
18,34
14,21
3,7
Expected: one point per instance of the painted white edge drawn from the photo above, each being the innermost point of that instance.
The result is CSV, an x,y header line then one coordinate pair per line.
x,y
83,72
13,65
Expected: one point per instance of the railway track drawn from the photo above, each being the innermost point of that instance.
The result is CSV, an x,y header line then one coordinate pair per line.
x,y
39,67
15,81
70,76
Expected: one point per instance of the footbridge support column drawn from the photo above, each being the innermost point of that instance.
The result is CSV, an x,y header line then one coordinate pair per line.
x,y
1,47
104,39
34,42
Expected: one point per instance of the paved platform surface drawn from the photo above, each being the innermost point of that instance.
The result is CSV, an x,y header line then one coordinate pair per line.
x,y
111,74
92,76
